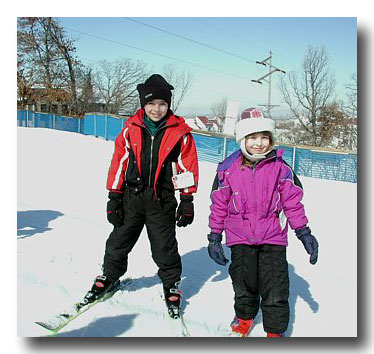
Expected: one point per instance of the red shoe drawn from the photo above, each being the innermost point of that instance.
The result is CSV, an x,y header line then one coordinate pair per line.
x,y
240,328
274,335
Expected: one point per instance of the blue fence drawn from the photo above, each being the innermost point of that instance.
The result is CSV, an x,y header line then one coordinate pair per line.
x,y
305,161
52,121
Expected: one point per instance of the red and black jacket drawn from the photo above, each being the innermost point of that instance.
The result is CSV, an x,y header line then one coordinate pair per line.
x,y
139,161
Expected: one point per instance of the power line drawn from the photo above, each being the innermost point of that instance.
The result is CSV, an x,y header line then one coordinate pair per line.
x,y
239,38
229,34
158,54
191,40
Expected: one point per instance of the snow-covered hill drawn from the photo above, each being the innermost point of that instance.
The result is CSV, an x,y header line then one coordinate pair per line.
x,y
62,230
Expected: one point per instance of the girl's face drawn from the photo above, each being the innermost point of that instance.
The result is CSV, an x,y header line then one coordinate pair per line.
x,y
156,109
257,143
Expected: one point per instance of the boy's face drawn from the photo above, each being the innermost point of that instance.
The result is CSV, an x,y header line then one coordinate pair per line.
x,y
156,109
257,143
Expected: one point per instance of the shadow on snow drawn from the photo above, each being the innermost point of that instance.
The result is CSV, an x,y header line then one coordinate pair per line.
x,y
198,269
32,222
299,287
103,327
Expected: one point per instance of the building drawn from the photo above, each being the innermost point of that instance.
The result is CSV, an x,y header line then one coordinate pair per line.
x,y
208,124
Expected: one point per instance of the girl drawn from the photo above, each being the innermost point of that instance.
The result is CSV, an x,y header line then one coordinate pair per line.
x,y
255,196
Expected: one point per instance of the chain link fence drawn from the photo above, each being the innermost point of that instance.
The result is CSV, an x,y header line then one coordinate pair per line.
x,y
306,161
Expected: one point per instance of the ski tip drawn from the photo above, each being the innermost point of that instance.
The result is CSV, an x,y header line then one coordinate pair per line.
x,y
40,324
44,325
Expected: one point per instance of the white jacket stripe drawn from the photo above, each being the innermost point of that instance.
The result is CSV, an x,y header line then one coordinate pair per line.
x,y
180,163
123,159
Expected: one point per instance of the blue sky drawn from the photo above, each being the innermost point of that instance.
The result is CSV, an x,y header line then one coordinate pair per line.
x,y
215,73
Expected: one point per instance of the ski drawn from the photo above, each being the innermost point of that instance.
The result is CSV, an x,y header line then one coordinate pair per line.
x,y
57,322
183,328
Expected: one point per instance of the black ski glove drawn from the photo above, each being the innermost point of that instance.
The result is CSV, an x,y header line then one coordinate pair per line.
x,y
215,249
310,243
114,209
185,211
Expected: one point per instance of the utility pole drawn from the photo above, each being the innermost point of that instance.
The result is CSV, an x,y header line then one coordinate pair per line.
x,y
272,70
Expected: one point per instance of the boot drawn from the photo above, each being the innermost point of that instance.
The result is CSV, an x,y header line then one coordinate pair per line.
x,y
274,334
172,299
100,287
240,327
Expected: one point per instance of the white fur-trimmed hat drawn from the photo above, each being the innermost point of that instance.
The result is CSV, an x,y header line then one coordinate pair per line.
x,y
252,121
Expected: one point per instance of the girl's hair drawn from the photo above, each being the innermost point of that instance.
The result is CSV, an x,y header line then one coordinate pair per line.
x,y
245,161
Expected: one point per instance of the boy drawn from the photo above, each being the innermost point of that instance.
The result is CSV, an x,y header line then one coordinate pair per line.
x,y
154,155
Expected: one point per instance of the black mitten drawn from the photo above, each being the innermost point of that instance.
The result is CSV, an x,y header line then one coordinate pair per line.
x,y
185,211
114,209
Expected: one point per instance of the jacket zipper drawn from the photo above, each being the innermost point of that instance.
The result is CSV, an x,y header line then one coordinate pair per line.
x,y
255,200
151,154
150,164
152,138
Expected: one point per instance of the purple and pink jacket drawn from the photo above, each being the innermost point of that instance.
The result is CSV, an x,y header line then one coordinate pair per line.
x,y
255,205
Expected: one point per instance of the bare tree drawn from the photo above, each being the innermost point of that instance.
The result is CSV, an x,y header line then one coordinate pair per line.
x,y
308,94
26,75
181,80
85,95
48,55
352,97
67,51
39,53
331,124
350,130
25,82
116,82
219,109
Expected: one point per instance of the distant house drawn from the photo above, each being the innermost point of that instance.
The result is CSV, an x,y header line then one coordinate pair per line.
x,y
285,123
207,124
57,100
191,123
37,100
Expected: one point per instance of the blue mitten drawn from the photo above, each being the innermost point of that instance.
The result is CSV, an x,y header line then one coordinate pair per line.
x,y
215,249
310,243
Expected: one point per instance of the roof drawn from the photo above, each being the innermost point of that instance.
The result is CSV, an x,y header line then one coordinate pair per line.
x,y
207,121
203,119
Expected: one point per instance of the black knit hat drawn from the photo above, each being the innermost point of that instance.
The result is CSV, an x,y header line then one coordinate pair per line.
x,y
155,87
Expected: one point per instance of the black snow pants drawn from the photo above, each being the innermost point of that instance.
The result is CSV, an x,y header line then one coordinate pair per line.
x,y
159,218
259,275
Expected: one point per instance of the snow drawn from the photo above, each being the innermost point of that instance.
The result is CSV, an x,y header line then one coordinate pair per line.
x,y
61,236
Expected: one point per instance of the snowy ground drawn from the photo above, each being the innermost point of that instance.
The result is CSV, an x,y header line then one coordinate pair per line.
x,y
62,230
